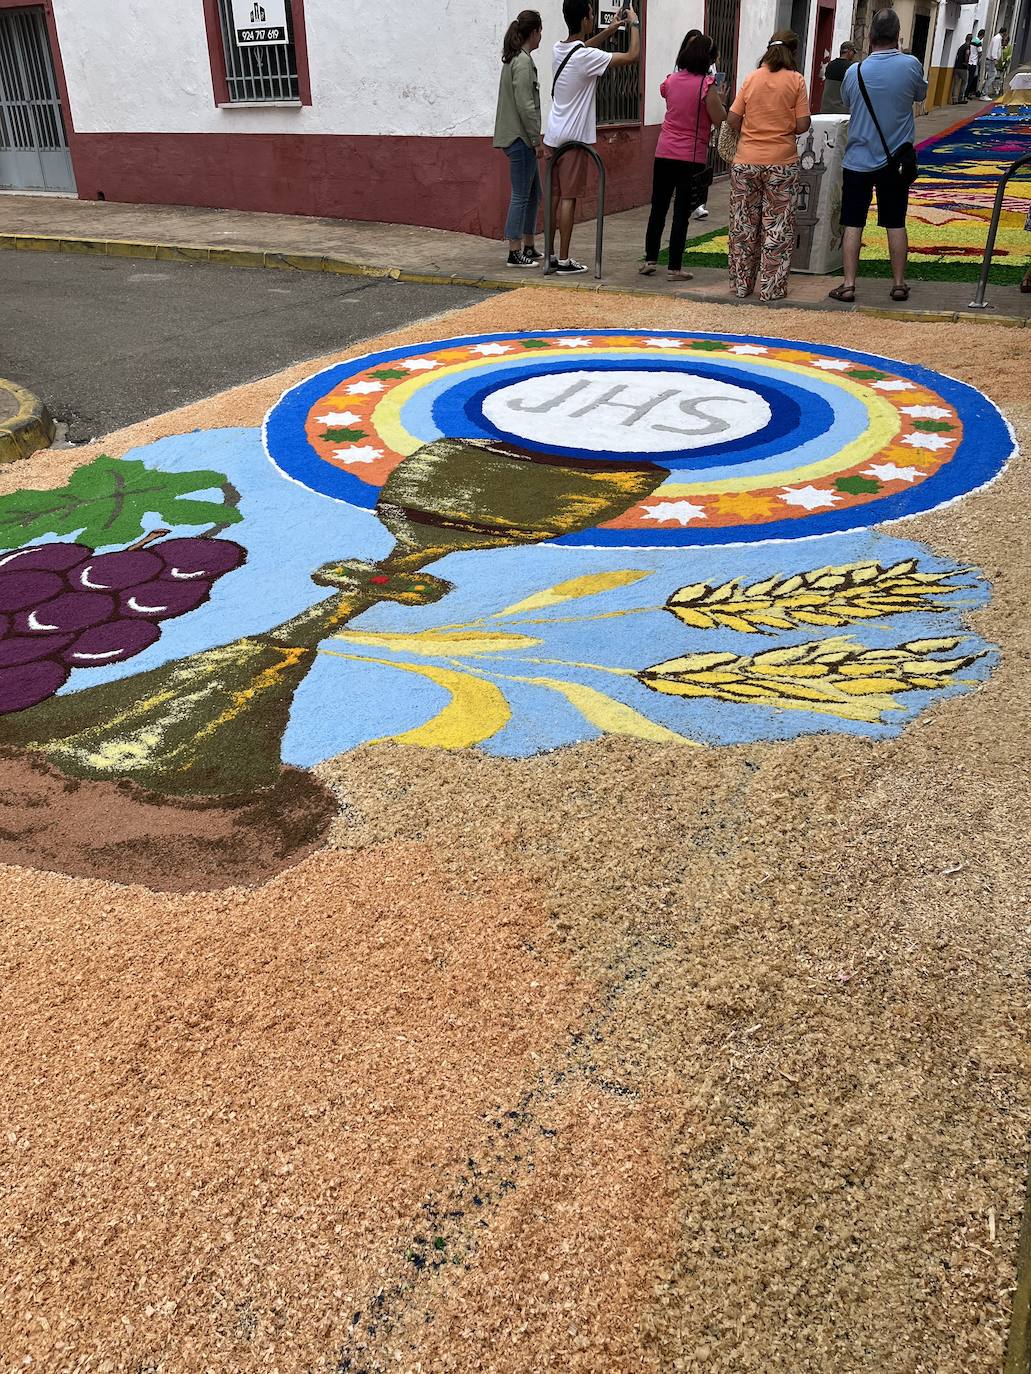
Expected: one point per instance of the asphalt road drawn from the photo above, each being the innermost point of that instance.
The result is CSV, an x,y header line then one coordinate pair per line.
x,y
108,341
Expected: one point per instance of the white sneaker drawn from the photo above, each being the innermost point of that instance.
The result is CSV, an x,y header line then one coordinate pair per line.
x,y
701,213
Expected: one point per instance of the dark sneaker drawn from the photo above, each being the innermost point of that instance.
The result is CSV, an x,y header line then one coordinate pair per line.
x,y
519,260
533,255
570,265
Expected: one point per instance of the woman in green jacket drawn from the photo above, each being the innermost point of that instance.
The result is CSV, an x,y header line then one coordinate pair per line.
x,y
517,130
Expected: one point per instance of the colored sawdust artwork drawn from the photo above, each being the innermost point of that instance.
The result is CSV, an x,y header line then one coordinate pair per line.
x,y
508,542
950,206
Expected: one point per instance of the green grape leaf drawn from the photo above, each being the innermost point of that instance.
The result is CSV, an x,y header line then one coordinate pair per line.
x,y
105,502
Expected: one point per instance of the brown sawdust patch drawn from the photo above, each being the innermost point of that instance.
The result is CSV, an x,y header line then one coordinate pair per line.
x,y
807,1043
221,1115
119,832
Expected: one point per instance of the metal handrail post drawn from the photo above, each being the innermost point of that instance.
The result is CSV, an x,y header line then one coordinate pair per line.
x,y
599,238
979,302
548,227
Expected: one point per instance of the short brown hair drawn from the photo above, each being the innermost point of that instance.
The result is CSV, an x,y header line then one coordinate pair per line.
x,y
782,53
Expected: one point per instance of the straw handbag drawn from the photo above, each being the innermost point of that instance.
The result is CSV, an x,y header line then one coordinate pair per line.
x,y
726,144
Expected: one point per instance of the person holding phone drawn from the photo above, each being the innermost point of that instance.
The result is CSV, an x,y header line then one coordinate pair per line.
x,y
579,63
680,172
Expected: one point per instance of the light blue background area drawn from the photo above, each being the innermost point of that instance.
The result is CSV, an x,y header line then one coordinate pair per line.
x,y
289,531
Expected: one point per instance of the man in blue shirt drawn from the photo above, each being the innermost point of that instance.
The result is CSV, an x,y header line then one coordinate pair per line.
x,y
894,82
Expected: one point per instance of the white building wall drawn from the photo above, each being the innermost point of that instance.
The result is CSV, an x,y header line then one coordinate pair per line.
x,y
416,70
142,67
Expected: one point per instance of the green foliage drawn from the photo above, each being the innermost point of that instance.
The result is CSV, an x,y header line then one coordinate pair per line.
x,y
856,486
344,436
934,426
534,343
391,374
105,502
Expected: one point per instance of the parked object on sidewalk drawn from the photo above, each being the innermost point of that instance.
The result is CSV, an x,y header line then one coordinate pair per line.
x,y
880,94
680,172
770,111
821,154
517,129
579,62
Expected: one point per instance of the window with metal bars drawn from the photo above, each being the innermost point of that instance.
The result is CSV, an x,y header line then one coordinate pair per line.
x,y
263,74
619,90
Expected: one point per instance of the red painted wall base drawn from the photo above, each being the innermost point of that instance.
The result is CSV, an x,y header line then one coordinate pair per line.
x,y
443,183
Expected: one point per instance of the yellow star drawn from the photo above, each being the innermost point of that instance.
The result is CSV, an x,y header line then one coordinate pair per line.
x,y
745,506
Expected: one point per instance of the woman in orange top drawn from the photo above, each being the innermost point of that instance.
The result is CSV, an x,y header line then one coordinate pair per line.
x,y
770,111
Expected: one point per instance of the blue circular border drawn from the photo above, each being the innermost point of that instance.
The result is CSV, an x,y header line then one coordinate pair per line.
x,y
986,446
799,417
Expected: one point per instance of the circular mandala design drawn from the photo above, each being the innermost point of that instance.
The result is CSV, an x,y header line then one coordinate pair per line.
x,y
764,439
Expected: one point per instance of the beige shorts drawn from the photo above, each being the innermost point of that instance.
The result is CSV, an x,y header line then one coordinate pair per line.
x,y
572,178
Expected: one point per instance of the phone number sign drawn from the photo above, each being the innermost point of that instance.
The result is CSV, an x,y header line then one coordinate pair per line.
x,y
259,22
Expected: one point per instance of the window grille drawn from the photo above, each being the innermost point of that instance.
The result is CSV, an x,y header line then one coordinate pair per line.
x,y
619,90
259,74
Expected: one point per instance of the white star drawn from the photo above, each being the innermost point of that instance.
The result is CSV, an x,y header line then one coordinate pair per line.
x,y
812,498
364,388
893,386
574,343
664,343
832,364
338,417
926,412
932,441
889,472
419,364
747,348
680,511
490,350
359,453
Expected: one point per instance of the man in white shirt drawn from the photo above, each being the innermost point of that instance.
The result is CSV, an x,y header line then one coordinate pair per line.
x,y
991,64
579,63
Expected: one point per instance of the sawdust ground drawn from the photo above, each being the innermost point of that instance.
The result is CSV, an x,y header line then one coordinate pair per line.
x,y
730,1045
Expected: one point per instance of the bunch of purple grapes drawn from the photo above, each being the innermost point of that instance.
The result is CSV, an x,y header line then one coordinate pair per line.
x,y
64,607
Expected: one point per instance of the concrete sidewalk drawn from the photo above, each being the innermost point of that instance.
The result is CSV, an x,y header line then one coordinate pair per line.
x,y
47,223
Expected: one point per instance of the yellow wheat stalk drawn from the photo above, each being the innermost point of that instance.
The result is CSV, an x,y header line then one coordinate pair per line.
x,y
825,596
836,676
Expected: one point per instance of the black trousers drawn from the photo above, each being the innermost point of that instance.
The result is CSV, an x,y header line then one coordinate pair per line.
x,y
681,183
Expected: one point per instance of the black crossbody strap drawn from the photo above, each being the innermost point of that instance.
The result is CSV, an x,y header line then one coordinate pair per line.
x,y
562,67
873,114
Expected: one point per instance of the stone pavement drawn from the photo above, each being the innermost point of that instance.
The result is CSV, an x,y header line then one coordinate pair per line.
x,y
413,253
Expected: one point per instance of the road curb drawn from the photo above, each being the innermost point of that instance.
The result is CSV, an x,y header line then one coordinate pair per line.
x,y
30,428
315,262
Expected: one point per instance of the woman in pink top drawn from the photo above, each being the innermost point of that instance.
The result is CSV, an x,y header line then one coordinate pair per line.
x,y
693,106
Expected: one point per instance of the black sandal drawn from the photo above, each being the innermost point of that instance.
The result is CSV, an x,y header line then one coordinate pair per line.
x,y
845,294
899,293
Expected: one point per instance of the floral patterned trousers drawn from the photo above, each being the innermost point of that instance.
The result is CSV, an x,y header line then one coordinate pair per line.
x,y
762,228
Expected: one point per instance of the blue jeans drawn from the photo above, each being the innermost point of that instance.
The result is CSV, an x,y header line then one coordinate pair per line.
x,y
526,191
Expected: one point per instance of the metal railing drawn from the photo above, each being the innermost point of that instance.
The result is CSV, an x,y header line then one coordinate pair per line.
x,y
979,302
549,208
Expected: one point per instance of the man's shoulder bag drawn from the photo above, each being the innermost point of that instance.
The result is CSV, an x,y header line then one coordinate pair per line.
x,y
562,66
903,160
